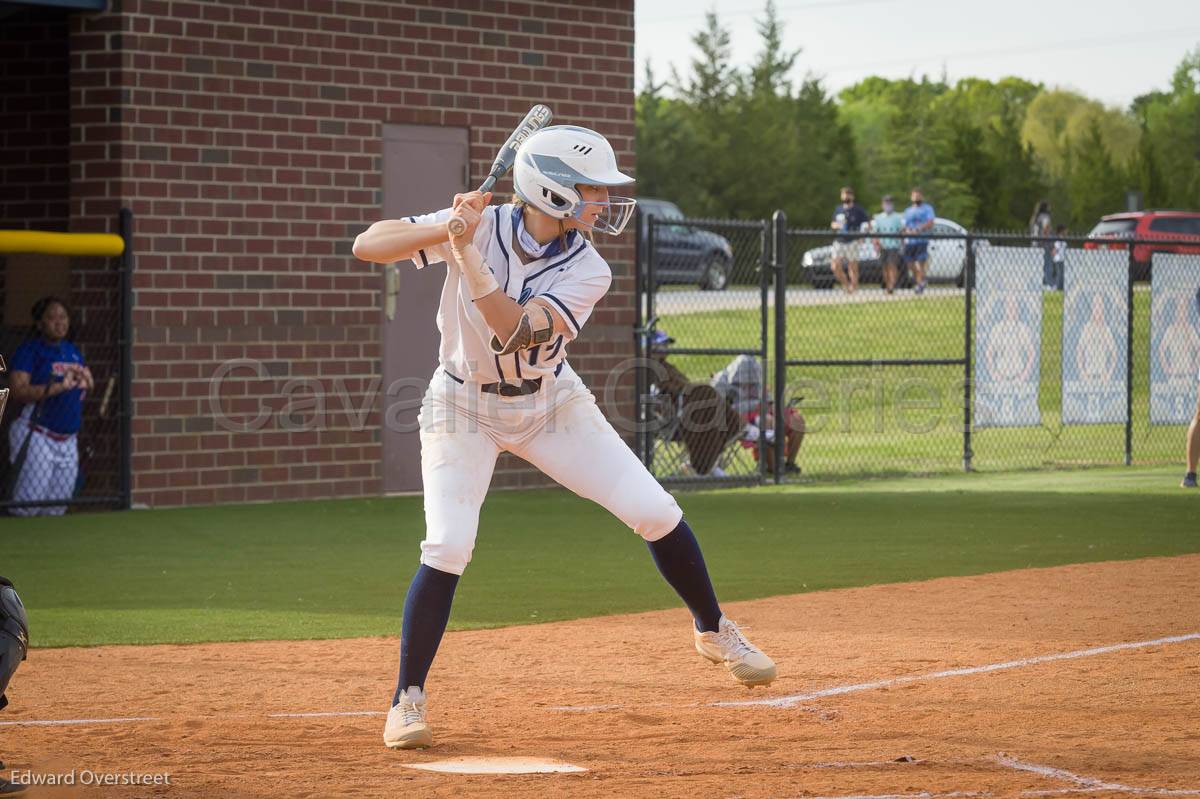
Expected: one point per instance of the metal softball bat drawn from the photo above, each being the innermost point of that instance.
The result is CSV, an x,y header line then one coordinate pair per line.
x,y
538,117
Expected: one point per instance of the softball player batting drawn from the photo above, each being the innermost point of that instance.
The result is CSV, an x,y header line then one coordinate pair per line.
x,y
521,281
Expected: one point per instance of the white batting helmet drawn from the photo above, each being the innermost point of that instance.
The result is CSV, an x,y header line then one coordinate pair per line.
x,y
553,161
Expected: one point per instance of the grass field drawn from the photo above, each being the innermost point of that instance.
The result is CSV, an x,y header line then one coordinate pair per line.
x,y
340,568
909,420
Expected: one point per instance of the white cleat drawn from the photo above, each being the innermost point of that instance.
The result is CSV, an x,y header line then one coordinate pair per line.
x,y
406,727
745,661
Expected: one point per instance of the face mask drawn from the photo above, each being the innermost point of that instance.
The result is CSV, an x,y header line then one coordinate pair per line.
x,y
888,208
918,202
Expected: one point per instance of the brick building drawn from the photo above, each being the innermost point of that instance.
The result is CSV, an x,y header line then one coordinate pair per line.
x,y
252,141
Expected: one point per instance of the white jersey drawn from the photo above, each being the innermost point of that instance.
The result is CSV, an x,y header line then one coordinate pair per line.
x,y
572,281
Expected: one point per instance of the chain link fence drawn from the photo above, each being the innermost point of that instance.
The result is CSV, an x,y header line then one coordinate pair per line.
x,y
65,424
703,336
878,359
1087,400
930,354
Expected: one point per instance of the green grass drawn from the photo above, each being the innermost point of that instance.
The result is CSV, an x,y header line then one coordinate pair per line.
x,y
340,568
909,420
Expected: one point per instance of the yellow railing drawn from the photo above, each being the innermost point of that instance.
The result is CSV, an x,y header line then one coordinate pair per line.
x,y
99,244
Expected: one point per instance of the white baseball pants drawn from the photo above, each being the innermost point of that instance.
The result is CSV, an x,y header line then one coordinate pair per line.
x,y
49,470
560,430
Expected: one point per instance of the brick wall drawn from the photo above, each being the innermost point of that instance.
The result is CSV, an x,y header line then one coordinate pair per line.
x,y
247,141
33,119
36,116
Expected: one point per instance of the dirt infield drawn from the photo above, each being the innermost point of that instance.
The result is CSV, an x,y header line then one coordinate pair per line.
x,y
868,706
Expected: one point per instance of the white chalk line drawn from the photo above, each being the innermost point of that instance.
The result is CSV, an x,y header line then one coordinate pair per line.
x,y
64,722
1057,774
1083,784
788,701
1146,792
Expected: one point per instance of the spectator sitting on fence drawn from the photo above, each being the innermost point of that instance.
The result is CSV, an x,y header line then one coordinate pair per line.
x,y
849,218
696,414
1193,439
888,221
741,382
1058,264
50,378
918,218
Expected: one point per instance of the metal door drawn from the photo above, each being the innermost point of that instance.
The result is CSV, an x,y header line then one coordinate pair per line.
x,y
424,166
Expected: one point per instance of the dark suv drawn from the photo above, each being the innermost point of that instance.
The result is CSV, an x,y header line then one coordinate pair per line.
x,y
1114,231
682,253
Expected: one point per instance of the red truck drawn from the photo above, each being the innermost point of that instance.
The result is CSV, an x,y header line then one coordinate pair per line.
x,y
1145,227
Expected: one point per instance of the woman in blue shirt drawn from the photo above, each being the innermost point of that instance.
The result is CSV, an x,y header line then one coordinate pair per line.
x,y
50,378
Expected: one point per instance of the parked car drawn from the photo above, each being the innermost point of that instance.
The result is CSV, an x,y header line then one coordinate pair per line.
x,y
1114,231
947,259
683,253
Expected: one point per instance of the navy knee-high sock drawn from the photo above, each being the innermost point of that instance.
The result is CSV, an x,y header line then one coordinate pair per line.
x,y
678,557
426,612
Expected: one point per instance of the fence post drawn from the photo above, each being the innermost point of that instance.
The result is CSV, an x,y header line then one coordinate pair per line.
x,y
968,293
125,476
1129,360
647,332
779,255
639,340
765,280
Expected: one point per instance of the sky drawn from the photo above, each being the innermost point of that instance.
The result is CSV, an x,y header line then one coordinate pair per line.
x,y
1110,50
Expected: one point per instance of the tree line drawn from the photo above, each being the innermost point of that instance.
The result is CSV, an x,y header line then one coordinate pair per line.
x,y
726,141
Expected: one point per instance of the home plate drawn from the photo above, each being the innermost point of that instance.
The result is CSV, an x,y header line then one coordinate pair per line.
x,y
497,765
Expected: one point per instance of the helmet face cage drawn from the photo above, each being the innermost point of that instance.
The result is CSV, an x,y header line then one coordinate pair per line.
x,y
614,216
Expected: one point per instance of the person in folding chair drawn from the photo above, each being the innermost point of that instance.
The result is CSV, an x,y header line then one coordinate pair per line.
x,y
741,382
693,413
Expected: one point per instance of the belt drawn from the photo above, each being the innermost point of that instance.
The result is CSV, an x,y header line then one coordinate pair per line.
x,y
51,434
522,389
525,387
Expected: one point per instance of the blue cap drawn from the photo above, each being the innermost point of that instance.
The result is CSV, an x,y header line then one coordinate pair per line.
x,y
661,337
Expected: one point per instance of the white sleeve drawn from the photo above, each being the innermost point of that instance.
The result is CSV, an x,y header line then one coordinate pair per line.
x,y
440,253
576,293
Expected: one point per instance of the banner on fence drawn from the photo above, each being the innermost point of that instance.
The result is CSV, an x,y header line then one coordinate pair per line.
x,y
1008,336
1095,362
1174,337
